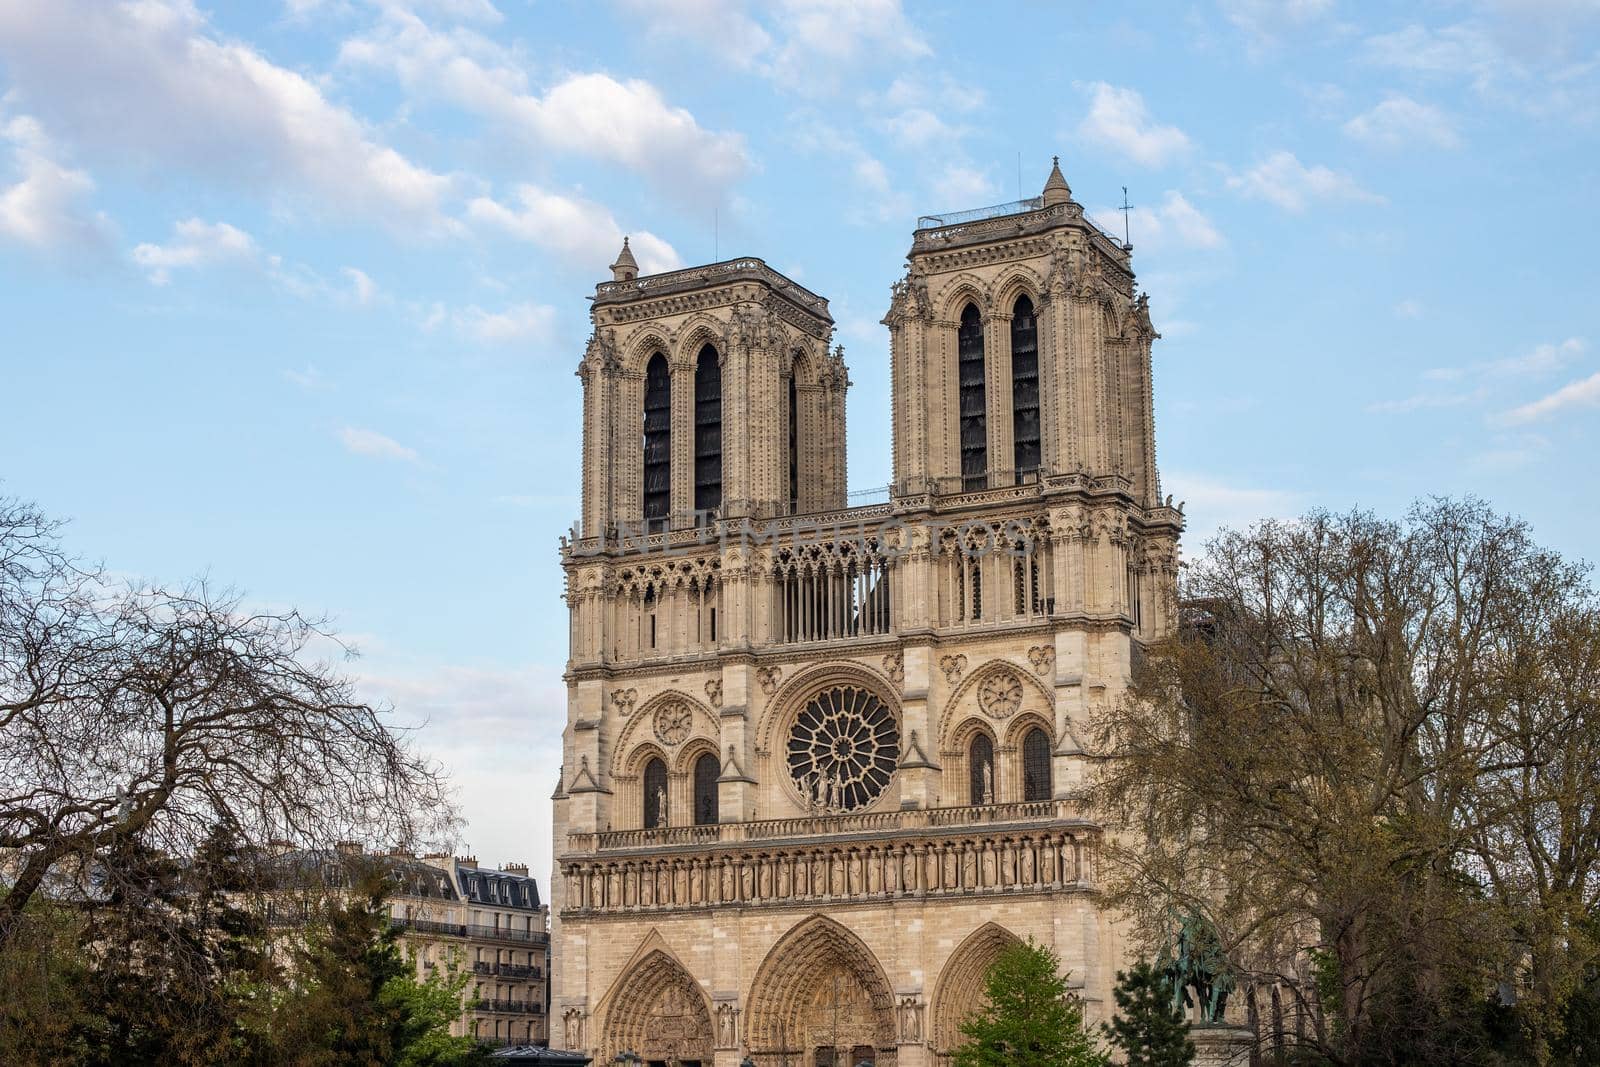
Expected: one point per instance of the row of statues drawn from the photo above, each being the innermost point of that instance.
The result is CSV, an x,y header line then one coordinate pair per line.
x,y
1047,858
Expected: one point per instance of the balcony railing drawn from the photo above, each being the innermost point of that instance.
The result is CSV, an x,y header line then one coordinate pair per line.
x,y
507,970
491,933
1055,812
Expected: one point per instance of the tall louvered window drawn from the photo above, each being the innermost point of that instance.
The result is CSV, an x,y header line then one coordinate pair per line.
x,y
974,427
706,772
707,431
655,794
1024,388
1036,765
794,447
657,439
981,770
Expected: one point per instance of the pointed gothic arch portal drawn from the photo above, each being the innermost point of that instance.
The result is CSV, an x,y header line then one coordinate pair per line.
x,y
960,989
659,1012
821,999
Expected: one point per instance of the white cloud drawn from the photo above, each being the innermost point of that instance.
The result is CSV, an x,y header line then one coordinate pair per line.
x,y
153,83
1532,55
1461,50
1119,120
963,184
1409,308
363,290
1486,380
1422,401
376,445
806,46
1176,223
1583,393
310,379
1541,359
1210,504
880,200
498,733
47,207
195,243
594,115
1403,123
1283,180
517,323
1266,20
581,231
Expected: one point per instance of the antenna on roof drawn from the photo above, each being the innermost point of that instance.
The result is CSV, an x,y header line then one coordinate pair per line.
x,y
1125,208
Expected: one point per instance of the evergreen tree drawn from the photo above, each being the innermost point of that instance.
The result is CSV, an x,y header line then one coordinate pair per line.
x,y
1028,1019
357,1002
1148,1028
177,961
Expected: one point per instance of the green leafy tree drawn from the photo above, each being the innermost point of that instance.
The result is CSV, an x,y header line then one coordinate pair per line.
x,y
1028,1019
1148,1028
357,1002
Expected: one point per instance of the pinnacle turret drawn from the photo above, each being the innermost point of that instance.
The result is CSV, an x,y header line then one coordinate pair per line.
x,y
626,268
1056,190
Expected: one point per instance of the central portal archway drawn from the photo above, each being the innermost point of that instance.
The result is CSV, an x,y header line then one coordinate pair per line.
x,y
820,999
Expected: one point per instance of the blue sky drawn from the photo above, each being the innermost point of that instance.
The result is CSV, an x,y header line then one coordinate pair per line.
x,y
292,295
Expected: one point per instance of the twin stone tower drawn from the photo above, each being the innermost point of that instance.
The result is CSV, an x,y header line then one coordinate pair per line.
x,y
820,762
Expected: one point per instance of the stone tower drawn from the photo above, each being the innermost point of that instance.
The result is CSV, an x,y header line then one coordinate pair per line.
x,y
821,762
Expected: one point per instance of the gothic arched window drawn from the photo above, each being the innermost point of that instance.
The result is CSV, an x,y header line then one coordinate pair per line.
x,y
706,772
794,446
1036,765
657,439
1024,388
707,431
980,766
655,794
974,426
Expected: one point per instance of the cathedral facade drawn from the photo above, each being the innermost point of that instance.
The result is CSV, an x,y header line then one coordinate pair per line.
x,y
821,762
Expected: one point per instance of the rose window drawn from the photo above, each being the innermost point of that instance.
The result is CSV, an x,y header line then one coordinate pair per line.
x,y
1000,694
673,721
843,748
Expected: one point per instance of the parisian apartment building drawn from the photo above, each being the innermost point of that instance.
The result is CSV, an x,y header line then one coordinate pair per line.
x,y
454,913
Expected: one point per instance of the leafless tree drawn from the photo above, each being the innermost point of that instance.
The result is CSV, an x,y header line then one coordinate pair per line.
x,y
130,712
1370,756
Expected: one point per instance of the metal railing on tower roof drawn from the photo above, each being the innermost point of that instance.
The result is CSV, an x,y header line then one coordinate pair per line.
x,y
994,211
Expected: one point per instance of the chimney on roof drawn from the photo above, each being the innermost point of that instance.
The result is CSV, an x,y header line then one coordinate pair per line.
x,y
626,268
1056,190
467,861
520,869
347,848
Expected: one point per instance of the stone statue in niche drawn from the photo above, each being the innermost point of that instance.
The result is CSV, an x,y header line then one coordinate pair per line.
x,y
661,806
